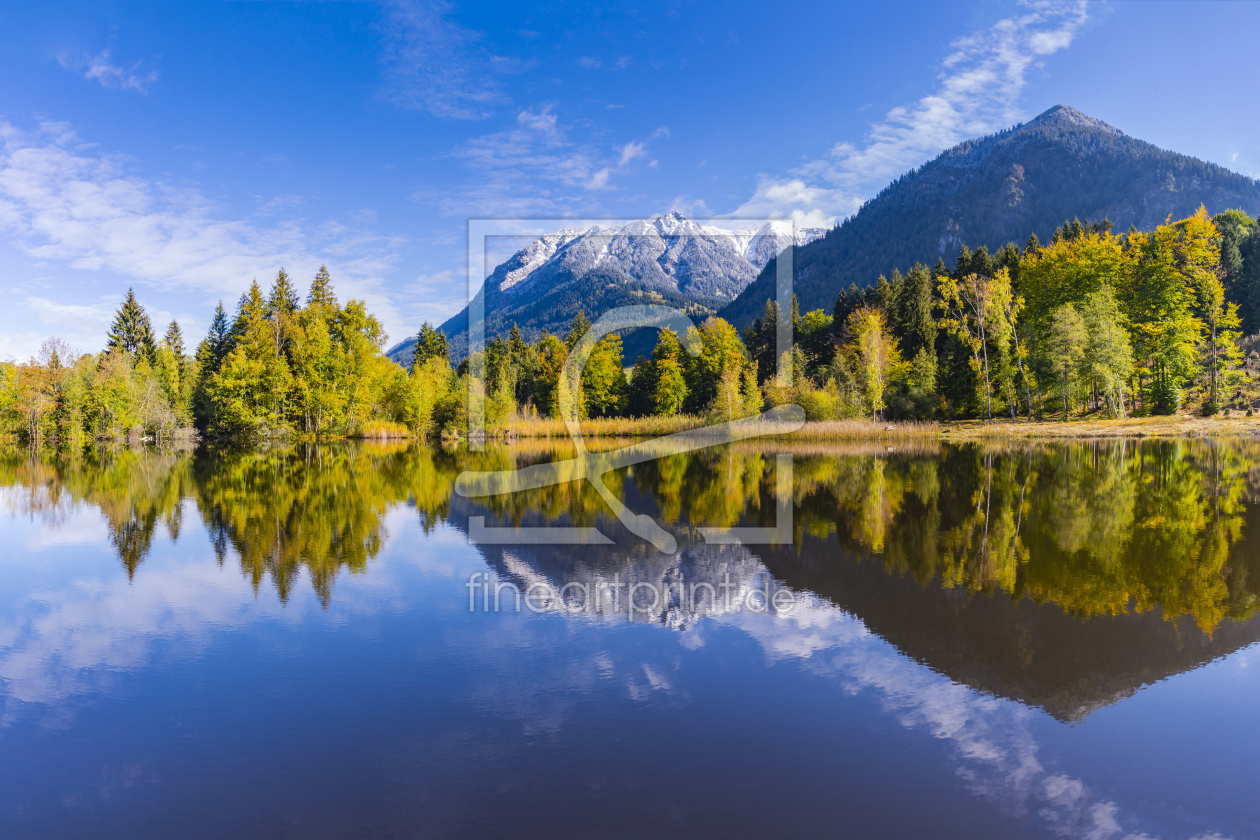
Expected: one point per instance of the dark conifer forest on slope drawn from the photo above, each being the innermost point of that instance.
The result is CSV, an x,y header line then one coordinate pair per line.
x,y
999,189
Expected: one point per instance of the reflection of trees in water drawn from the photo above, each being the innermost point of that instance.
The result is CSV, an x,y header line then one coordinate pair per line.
x,y
134,488
1099,528
282,510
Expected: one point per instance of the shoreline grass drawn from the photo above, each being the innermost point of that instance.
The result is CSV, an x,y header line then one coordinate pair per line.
x,y
1181,425
817,430
1175,426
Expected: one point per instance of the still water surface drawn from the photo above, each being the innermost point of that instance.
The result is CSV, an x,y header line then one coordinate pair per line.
x,y
1039,641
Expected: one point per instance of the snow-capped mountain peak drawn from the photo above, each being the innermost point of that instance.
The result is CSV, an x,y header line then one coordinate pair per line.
x,y
669,252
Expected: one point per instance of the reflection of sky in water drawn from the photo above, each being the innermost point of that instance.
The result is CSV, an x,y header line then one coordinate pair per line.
x,y
184,698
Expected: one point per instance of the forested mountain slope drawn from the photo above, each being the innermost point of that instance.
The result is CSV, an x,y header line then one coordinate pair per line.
x,y
998,189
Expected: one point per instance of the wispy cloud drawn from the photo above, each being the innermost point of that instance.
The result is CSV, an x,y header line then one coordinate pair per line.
x,y
77,317
433,64
66,204
536,167
978,92
100,68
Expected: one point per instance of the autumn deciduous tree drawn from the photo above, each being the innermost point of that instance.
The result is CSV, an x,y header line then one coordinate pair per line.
x,y
873,354
1108,355
1065,341
976,309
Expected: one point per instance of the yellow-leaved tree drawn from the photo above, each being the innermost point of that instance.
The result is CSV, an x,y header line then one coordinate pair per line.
x,y
873,355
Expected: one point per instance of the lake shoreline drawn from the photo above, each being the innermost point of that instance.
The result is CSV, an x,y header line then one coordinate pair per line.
x,y
1176,426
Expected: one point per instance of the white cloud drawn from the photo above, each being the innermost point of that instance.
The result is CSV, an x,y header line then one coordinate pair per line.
x,y
65,204
78,317
977,93
18,347
99,68
435,65
630,151
537,168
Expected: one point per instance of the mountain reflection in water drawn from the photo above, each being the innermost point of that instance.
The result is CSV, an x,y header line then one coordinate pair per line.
x,y
1061,577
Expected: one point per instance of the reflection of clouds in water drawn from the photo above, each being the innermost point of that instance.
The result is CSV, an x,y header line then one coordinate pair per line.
x,y
56,644
991,739
64,521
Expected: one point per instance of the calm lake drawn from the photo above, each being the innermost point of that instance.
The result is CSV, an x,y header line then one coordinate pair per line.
x,y
919,641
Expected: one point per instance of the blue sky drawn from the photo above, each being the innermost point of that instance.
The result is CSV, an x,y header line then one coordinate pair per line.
x,y
186,148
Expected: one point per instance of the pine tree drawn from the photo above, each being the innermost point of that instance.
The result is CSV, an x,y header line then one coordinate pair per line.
x,y
762,340
175,339
283,297
250,311
219,339
916,322
516,345
431,343
846,303
578,329
131,331
888,292
321,293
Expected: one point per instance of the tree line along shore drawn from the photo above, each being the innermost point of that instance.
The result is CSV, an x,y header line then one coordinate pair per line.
x,y
1118,330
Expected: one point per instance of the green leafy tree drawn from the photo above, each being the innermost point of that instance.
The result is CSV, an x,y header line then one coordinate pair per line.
x,y
1066,341
669,393
641,390
873,354
1162,304
721,350
816,342
603,380
1108,355
975,307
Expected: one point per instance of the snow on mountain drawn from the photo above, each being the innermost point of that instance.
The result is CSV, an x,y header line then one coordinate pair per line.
x,y
668,258
523,263
669,252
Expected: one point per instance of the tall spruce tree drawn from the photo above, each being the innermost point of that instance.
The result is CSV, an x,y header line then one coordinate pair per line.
x,y
321,293
175,339
916,322
431,343
250,309
577,329
218,341
283,297
131,331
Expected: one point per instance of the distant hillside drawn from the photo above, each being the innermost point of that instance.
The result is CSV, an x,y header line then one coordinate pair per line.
x,y
668,259
998,189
